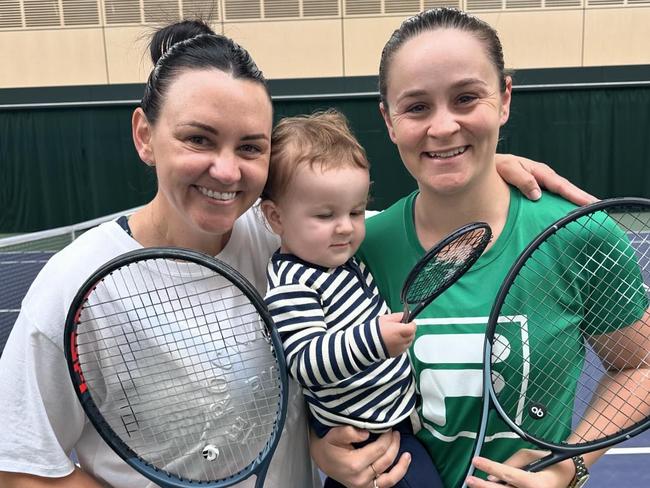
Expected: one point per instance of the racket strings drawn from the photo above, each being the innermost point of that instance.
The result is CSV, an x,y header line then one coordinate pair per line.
x,y
148,315
607,291
556,383
449,261
169,390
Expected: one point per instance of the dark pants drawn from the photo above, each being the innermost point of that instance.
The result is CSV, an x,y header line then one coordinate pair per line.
x,y
421,472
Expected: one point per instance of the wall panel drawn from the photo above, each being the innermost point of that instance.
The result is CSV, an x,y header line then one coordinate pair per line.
x,y
52,57
283,50
617,36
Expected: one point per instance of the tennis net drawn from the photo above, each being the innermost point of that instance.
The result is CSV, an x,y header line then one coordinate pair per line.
x,y
23,256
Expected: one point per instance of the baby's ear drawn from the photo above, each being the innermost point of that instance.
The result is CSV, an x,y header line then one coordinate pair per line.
x,y
273,215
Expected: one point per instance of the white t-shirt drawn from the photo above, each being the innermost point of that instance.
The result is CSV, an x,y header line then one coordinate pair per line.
x,y
41,420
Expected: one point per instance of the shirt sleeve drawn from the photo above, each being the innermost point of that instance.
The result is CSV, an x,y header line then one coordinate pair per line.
x,y
609,263
316,355
41,416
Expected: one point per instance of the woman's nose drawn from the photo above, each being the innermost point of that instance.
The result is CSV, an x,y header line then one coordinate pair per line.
x,y
225,168
443,123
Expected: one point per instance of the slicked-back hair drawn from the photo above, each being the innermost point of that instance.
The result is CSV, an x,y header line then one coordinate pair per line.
x,y
441,18
192,45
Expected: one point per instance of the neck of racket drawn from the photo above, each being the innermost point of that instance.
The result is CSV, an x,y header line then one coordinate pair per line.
x,y
485,410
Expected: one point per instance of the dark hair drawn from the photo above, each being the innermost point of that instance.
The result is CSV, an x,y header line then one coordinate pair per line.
x,y
322,138
190,45
441,18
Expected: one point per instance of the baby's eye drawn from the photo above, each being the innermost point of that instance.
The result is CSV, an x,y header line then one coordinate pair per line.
x,y
324,216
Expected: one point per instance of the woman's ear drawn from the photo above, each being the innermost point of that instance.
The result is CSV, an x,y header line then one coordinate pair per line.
x,y
141,131
506,97
389,123
273,215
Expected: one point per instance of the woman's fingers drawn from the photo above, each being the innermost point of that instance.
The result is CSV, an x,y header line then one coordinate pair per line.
x,y
528,176
556,476
396,473
357,468
559,185
382,452
513,476
345,436
516,171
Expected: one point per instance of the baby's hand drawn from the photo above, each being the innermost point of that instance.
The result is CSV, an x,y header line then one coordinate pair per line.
x,y
396,336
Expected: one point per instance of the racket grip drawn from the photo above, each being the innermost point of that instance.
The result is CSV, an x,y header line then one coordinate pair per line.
x,y
545,462
406,316
539,465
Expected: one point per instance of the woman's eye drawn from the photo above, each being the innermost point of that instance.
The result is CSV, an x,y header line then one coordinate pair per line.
x,y
465,99
416,109
250,149
198,140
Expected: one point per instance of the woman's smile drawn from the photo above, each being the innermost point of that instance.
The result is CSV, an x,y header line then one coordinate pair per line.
x,y
216,195
446,154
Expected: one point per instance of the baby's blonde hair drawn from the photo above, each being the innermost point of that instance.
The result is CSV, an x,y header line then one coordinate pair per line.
x,y
322,138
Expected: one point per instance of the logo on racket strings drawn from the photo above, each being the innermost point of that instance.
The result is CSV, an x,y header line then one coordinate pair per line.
x,y
210,452
537,411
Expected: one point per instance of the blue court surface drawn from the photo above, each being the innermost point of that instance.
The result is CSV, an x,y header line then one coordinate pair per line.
x,y
625,466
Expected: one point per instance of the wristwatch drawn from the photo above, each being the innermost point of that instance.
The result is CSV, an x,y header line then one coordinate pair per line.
x,y
582,473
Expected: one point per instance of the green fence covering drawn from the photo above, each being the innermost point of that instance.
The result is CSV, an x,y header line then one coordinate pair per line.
x,y
59,166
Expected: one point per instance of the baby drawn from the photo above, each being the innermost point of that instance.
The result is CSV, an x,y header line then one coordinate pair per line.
x,y
341,343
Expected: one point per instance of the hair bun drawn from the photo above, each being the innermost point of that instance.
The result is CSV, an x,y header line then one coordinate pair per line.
x,y
169,35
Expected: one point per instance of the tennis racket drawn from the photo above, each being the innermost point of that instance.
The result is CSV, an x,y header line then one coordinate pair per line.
x,y
567,347
442,266
176,363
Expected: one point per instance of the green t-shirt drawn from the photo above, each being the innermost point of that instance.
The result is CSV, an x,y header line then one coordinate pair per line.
x,y
447,353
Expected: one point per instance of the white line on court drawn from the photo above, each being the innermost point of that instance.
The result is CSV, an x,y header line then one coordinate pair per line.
x,y
629,450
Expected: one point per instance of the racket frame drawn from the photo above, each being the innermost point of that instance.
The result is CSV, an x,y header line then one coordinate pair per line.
x,y
260,464
409,315
559,452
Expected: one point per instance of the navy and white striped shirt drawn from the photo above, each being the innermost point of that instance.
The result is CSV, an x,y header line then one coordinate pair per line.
x,y
327,321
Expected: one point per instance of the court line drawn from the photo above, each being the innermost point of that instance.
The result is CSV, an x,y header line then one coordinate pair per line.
x,y
628,450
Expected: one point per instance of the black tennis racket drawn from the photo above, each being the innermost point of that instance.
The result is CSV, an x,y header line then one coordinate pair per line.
x,y
176,362
567,347
442,266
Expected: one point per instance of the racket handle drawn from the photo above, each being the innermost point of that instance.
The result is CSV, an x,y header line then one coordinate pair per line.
x,y
539,465
545,462
406,316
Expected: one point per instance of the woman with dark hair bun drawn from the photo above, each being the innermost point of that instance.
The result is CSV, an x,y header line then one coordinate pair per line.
x,y
204,126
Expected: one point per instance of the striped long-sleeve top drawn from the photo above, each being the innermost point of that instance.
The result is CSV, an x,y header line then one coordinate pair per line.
x,y
327,319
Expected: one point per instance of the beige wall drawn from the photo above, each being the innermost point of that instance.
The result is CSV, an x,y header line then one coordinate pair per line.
x,y
323,47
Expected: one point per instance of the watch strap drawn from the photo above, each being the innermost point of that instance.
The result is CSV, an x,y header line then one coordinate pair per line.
x,y
582,473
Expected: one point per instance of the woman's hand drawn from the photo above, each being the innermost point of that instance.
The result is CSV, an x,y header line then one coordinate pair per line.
x,y
556,476
528,175
339,459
